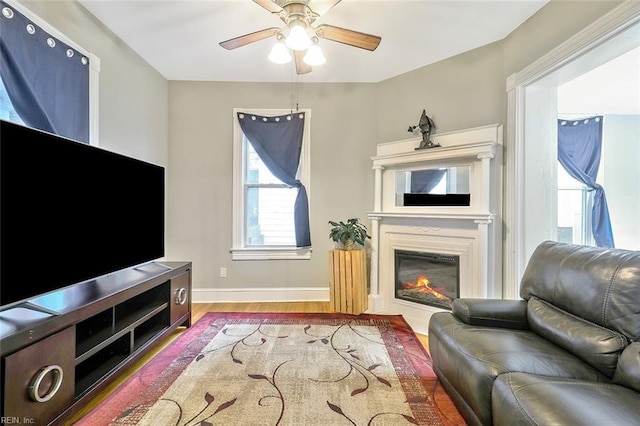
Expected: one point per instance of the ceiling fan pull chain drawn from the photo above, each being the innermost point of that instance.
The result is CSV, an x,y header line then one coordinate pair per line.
x,y
291,88
297,93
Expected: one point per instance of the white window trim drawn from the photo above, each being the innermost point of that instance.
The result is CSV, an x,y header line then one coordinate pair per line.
x,y
240,251
94,66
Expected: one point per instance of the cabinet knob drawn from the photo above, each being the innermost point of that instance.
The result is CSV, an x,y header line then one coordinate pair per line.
x,y
181,296
34,386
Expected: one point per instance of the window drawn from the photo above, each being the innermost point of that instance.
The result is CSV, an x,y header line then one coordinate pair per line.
x,y
269,204
532,94
574,210
46,81
7,111
263,206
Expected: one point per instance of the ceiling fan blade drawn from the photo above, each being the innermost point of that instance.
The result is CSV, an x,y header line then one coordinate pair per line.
x,y
350,37
234,43
301,66
270,5
320,7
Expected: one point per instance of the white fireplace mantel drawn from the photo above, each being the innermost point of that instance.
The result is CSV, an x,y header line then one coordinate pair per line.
x,y
473,232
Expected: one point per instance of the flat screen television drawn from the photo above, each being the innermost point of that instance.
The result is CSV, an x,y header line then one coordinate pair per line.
x,y
70,212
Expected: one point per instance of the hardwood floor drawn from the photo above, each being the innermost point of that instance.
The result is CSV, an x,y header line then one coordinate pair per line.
x,y
197,311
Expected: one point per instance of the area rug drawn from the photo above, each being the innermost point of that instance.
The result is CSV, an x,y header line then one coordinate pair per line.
x,y
284,369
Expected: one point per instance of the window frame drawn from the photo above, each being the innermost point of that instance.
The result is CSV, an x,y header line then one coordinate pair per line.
x,y
239,250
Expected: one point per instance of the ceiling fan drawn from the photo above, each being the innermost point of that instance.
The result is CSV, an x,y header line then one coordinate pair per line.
x,y
299,15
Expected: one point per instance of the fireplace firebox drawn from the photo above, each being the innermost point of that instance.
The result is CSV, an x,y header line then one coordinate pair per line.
x,y
427,278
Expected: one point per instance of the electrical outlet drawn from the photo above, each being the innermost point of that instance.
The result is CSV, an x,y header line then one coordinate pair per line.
x,y
223,272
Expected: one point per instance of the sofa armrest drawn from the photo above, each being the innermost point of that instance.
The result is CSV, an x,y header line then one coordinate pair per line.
x,y
492,312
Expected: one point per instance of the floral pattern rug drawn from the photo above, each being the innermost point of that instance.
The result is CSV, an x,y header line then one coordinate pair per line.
x,y
284,369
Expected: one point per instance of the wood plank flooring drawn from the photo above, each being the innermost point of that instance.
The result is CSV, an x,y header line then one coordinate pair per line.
x,y
197,311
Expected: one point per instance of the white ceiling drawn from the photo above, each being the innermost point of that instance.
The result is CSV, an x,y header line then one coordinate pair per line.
x,y
179,38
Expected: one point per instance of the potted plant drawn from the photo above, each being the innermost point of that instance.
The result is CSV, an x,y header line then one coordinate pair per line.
x,y
346,235
347,267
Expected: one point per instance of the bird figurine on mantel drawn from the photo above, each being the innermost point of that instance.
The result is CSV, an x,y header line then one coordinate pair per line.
x,y
426,125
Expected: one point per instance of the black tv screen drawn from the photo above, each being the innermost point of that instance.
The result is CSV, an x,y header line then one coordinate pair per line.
x,y
71,212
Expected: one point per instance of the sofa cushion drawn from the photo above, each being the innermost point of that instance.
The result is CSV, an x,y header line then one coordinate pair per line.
x,y
628,371
596,345
597,284
524,399
471,357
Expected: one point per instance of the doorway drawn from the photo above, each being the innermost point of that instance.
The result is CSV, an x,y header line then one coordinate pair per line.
x,y
531,180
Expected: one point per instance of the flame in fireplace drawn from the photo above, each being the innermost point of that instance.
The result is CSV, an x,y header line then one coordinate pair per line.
x,y
423,285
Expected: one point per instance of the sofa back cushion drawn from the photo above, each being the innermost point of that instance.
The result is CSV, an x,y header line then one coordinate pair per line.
x,y
599,285
598,346
628,371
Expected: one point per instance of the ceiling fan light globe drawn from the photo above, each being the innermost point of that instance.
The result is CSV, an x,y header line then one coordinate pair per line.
x,y
298,39
280,54
314,56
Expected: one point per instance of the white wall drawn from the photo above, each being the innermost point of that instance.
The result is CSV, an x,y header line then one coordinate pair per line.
x,y
621,177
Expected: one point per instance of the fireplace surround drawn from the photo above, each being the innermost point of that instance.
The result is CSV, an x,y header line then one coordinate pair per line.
x,y
457,246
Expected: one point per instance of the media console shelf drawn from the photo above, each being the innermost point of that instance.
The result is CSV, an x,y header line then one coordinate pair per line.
x,y
52,364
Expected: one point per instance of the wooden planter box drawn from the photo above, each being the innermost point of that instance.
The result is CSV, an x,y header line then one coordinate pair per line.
x,y
348,281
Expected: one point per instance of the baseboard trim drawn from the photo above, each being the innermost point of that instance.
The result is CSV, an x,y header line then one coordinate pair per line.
x,y
273,294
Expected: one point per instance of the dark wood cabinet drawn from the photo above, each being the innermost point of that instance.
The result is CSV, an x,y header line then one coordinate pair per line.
x,y
39,379
53,363
181,296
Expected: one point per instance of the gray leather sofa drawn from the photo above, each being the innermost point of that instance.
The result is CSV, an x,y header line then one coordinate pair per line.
x,y
568,353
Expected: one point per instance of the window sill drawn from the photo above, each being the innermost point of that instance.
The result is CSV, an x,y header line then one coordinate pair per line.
x,y
271,253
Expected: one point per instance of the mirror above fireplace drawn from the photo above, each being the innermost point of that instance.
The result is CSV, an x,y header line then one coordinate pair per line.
x,y
433,186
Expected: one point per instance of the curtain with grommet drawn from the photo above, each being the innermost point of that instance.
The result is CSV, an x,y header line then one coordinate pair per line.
x,y
579,152
47,81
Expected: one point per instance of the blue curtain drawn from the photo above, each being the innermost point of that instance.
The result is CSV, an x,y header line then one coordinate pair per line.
x,y
423,181
579,151
47,81
278,143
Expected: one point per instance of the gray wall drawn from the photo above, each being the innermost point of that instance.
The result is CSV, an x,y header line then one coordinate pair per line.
x,y
553,24
343,138
188,127
458,93
469,90
133,96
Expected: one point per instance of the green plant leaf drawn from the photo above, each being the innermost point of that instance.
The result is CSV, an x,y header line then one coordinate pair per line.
x,y
351,230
